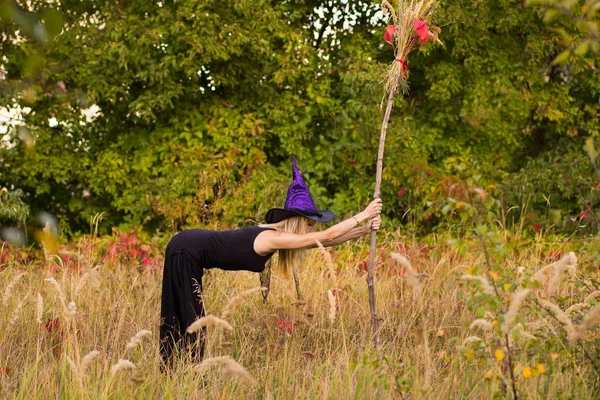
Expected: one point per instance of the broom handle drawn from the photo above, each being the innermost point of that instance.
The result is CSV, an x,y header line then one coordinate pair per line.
x,y
377,194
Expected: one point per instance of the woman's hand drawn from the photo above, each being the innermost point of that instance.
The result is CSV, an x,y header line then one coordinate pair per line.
x,y
375,223
372,210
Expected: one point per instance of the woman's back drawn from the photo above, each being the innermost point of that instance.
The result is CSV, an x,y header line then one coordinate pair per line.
x,y
229,250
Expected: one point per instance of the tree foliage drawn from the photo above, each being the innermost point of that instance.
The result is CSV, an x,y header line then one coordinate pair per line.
x,y
200,106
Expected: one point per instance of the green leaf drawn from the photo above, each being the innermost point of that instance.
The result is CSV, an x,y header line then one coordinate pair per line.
x,y
582,48
562,57
551,15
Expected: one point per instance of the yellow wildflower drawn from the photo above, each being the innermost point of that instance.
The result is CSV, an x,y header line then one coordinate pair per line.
x,y
540,368
499,355
489,374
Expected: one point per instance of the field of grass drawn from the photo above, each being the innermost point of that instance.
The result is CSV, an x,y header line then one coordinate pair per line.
x,y
98,293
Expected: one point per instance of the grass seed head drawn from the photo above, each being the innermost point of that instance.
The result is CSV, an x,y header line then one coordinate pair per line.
x,y
137,339
121,365
414,279
39,309
591,296
237,300
560,316
11,285
87,360
590,319
232,369
332,306
485,285
209,320
513,309
59,291
482,324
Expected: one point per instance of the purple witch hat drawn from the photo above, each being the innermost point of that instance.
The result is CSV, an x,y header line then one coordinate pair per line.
x,y
298,202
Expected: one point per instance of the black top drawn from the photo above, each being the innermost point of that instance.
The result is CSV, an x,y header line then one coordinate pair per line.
x,y
228,250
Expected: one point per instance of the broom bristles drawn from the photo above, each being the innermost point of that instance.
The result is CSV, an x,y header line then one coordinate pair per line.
x,y
405,38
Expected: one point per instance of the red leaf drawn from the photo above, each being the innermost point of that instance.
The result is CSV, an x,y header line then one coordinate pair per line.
x,y
52,324
284,326
401,192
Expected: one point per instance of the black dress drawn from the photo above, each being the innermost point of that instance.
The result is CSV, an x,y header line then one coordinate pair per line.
x,y
187,255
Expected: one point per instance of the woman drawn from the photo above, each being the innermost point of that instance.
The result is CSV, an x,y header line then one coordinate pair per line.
x,y
288,231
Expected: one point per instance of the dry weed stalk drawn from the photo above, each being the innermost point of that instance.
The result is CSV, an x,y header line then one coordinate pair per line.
x,y
567,262
328,260
121,365
237,300
74,368
482,324
591,296
526,335
16,312
513,309
590,319
137,339
209,320
577,307
83,280
11,285
332,306
414,279
59,291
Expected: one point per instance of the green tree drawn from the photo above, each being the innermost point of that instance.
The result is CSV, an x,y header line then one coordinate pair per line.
x,y
200,107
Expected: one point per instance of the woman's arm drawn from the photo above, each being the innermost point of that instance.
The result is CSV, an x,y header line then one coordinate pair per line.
x,y
354,233
269,241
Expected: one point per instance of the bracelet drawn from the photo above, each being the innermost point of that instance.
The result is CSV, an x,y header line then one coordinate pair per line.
x,y
357,223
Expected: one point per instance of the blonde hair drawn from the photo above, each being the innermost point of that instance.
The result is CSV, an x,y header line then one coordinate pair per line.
x,y
288,258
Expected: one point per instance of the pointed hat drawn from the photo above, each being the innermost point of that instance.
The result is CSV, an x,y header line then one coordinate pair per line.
x,y
298,202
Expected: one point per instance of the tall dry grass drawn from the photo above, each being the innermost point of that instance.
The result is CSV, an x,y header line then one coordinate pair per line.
x,y
321,347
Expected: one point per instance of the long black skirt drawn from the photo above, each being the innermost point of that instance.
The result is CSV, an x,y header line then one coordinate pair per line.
x,y
181,305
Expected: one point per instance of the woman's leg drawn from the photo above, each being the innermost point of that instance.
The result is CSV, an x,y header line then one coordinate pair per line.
x,y
181,304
